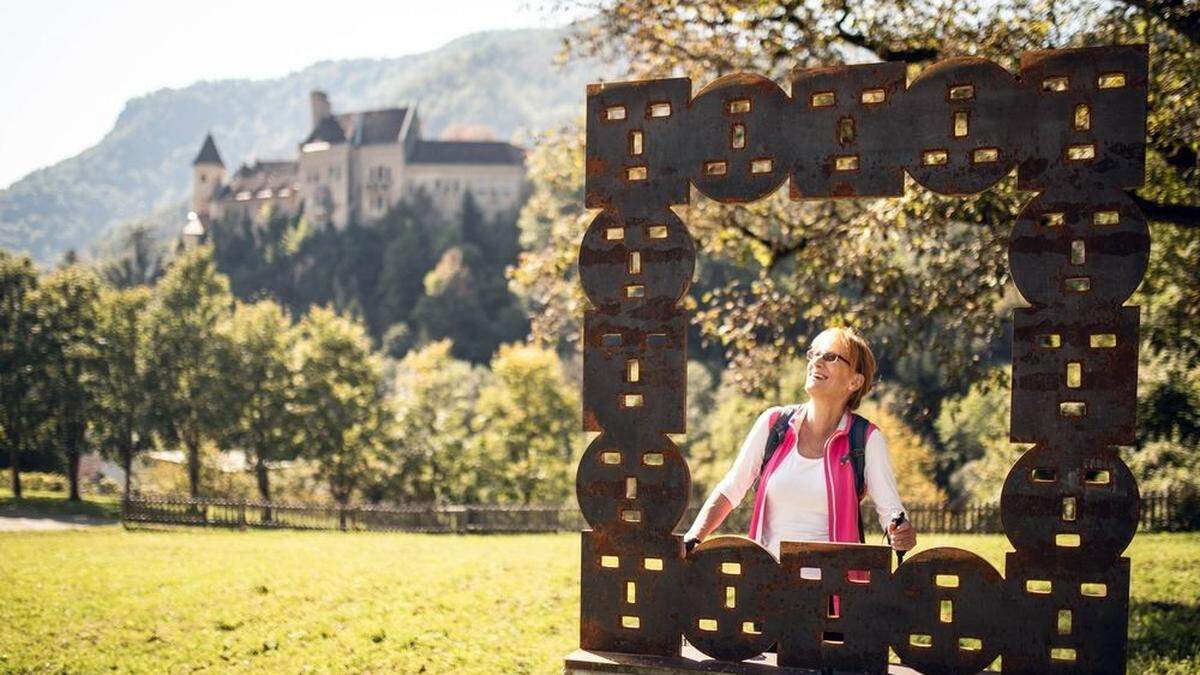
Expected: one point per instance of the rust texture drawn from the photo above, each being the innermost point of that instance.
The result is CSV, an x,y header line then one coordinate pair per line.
x,y
1072,123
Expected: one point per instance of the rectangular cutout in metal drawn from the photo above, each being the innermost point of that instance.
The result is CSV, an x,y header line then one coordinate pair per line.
x,y
1039,586
1059,83
738,106
823,99
1064,622
1068,509
737,136
635,262
934,157
1066,540
1081,152
759,166
1072,408
871,96
1074,374
1049,341
1083,117
961,126
985,155
946,580
962,92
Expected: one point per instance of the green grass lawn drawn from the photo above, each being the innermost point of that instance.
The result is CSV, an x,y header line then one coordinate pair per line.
x,y
177,601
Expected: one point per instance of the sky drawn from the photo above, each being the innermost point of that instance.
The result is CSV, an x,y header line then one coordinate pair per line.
x,y
71,65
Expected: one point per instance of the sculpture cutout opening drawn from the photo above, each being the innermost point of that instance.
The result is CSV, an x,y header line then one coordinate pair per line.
x,y
1073,123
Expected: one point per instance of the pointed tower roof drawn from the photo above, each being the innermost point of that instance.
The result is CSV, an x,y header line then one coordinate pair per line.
x,y
208,153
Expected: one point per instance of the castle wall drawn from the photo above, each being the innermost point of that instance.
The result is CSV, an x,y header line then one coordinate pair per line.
x,y
378,173
495,187
325,175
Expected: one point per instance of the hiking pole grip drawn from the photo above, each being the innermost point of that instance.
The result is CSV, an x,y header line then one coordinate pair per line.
x,y
898,520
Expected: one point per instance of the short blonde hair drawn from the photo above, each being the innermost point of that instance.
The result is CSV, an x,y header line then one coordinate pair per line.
x,y
862,360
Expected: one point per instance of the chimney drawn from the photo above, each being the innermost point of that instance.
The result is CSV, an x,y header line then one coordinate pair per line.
x,y
320,106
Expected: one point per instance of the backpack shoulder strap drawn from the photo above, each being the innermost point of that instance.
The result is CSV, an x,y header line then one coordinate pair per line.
x,y
858,460
775,437
858,450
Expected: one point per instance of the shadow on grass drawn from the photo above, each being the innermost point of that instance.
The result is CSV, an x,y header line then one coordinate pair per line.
x,y
58,507
1167,630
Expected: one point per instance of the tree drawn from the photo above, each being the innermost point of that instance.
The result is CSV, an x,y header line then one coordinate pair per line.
x,y
66,305
138,263
257,362
438,457
912,459
922,275
528,418
190,392
340,400
22,358
121,384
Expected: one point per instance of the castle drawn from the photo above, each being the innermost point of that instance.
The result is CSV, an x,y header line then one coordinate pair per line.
x,y
353,167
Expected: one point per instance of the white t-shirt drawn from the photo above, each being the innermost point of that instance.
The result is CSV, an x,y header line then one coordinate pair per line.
x,y
796,504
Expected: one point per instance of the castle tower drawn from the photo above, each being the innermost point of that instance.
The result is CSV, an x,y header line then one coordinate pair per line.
x,y
208,172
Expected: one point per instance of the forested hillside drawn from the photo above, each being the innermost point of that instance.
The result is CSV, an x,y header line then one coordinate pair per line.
x,y
504,80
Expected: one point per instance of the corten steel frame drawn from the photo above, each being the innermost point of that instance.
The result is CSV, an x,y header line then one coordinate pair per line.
x,y
1073,123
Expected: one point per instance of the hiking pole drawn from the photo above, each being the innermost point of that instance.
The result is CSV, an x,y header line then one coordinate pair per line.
x,y
898,520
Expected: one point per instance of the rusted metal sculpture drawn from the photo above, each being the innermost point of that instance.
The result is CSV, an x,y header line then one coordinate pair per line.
x,y
1073,124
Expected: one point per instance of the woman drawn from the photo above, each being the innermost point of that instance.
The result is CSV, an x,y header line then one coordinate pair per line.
x,y
808,492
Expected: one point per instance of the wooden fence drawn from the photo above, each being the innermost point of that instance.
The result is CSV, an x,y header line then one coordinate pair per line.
x,y
1161,511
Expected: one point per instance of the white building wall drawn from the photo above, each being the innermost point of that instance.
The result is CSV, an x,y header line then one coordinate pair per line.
x,y
495,187
378,174
329,167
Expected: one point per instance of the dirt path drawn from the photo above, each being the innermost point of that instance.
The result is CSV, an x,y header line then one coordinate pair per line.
x,y
11,521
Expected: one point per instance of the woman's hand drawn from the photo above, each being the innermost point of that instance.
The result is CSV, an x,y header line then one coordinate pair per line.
x,y
904,537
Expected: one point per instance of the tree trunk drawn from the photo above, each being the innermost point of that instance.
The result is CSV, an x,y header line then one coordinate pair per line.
x,y
73,471
127,464
264,485
193,466
15,462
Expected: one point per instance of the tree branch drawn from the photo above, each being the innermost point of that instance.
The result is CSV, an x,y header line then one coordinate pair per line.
x,y
1183,19
1182,215
884,52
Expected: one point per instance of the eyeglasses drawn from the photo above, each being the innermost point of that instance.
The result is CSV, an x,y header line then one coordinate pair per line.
x,y
827,357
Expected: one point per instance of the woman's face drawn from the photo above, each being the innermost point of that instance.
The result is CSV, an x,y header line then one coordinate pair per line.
x,y
831,380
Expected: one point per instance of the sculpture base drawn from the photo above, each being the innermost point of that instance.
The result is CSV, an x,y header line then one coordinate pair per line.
x,y
583,662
